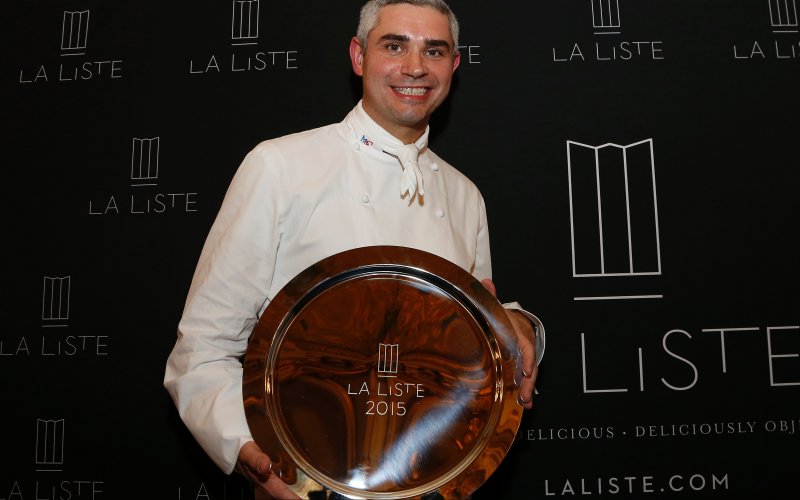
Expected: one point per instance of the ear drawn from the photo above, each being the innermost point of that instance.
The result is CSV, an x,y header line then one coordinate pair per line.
x,y
357,56
456,60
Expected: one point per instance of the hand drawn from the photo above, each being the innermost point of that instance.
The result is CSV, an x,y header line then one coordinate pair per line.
x,y
525,342
256,466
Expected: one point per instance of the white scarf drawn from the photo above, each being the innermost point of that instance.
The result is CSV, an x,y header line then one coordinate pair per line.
x,y
411,181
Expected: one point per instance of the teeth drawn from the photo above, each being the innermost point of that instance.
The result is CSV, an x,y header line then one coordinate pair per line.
x,y
412,90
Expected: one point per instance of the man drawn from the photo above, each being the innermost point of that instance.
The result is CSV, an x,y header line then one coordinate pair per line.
x,y
369,180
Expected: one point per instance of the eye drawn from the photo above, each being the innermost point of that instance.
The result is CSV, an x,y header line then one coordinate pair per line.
x,y
434,53
393,47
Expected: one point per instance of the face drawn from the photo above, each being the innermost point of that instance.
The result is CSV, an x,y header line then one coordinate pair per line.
x,y
406,68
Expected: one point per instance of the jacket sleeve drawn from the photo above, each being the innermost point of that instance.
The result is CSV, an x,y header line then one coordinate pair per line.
x,y
229,288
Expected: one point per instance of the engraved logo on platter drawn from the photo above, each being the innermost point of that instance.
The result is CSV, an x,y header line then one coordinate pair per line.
x,y
385,396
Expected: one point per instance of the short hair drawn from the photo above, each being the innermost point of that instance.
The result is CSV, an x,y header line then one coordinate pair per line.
x,y
371,10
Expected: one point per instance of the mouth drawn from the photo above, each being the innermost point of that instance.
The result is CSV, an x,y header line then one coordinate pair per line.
x,y
411,91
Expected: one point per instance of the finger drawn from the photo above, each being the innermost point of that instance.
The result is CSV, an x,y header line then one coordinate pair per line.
x,y
528,351
254,463
489,284
525,345
527,390
256,466
526,361
528,380
529,371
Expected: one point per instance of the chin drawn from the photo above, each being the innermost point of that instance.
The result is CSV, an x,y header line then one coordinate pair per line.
x,y
412,118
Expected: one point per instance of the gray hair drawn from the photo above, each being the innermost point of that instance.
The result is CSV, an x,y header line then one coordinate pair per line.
x,y
371,10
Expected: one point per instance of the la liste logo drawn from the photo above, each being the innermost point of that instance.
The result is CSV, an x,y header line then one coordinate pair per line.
x,y
49,445
389,396
51,481
144,197
388,360
57,338
55,301
605,17
616,245
245,55
75,64
614,224
608,45
783,16
783,41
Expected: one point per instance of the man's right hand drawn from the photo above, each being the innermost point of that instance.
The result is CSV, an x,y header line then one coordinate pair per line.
x,y
256,466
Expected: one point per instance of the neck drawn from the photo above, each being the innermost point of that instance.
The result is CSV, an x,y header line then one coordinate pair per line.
x,y
406,135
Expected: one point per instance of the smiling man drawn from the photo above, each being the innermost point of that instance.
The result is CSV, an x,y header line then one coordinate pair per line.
x,y
295,200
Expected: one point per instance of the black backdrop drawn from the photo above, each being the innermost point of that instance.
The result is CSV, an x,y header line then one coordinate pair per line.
x,y
669,293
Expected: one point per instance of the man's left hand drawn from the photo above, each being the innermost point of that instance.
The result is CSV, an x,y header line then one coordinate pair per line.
x,y
527,369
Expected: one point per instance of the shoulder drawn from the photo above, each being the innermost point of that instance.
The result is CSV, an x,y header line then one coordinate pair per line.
x,y
296,153
307,142
289,162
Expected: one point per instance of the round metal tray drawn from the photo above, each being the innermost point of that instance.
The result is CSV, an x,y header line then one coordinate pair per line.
x,y
383,372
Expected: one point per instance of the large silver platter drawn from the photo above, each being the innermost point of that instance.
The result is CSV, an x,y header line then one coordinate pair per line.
x,y
383,372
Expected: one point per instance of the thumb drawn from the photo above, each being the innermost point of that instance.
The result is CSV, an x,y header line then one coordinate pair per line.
x,y
262,464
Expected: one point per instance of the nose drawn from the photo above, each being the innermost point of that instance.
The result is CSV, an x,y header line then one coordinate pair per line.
x,y
414,65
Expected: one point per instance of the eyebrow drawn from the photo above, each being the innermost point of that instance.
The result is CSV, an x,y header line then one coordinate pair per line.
x,y
405,38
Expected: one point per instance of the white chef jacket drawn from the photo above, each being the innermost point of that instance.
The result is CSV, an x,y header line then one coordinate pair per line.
x,y
294,201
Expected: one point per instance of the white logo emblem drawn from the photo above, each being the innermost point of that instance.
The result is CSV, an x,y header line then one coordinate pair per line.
x,y
388,359
244,22
49,445
55,299
605,16
74,32
144,161
783,15
613,210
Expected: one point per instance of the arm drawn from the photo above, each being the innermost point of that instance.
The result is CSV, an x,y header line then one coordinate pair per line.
x,y
229,288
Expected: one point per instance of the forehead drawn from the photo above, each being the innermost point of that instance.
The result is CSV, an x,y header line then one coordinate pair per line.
x,y
413,21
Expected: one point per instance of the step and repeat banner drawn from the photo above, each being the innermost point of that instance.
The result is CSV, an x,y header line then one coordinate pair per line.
x,y
640,162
